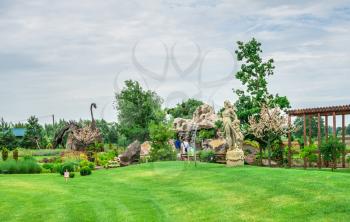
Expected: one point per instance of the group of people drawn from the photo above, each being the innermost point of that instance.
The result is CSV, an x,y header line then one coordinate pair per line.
x,y
182,146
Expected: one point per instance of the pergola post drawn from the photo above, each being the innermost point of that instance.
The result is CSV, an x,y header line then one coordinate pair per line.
x,y
310,130
326,127
343,139
334,125
334,136
305,140
319,139
289,143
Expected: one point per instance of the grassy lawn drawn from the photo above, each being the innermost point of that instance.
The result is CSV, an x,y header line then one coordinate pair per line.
x,y
176,191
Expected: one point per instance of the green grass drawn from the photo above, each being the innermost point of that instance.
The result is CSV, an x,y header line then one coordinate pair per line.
x,y
175,191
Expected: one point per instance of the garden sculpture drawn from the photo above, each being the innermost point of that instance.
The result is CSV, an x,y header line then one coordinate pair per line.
x,y
79,138
233,135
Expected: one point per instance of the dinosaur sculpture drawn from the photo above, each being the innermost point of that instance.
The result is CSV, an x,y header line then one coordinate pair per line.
x,y
79,138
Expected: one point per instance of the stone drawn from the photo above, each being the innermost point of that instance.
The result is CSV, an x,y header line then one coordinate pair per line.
x,y
235,158
131,155
145,148
219,146
204,117
250,154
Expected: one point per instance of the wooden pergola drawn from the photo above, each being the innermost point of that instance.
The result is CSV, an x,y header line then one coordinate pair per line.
x,y
320,112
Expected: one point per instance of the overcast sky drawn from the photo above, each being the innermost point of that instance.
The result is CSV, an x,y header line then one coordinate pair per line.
x,y
56,57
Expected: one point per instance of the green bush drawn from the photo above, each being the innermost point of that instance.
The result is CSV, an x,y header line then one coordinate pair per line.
x,y
71,174
4,153
69,166
49,166
20,167
160,134
206,134
85,171
15,154
86,163
331,150
309,153
207,156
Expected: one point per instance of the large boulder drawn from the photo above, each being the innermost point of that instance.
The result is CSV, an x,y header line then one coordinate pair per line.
x,y
145,148
204,118
131,155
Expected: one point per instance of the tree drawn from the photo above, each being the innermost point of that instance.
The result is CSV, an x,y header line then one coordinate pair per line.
x,y
33,135
253,75
299,125
160,134
8,139
185,109
331,150
269,126
348,130
137,108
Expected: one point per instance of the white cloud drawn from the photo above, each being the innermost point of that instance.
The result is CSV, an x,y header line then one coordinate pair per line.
x,y
57,57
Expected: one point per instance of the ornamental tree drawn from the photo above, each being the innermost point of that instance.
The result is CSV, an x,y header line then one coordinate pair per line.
x,y
253,75
268,126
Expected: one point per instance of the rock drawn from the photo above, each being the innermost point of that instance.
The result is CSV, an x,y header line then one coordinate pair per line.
x,y
235,158
250,154
204,117
131,155
218,145
145,148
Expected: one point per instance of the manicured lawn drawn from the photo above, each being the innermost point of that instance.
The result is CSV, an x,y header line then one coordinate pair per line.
x,y
175,191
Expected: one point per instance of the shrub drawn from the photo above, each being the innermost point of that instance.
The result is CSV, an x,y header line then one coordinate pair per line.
x,y
331,150
309,153
206,134
104,157
85,171
69,166
4,153
15,154
160,134
86,163
207,156
20,167
71,174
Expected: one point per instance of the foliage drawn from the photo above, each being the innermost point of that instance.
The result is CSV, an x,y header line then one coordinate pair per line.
x,y
15,154
299,125
160,134
137,108
308,152
253,74
4,153
69,166
24,166
86,163
106,156
73,156
206,134
331,150
71,174
269,126
207,156
8,139
33,135
252,143
185,109
85,171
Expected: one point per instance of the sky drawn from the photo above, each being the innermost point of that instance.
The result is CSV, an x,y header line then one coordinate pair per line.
x,y
56,57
